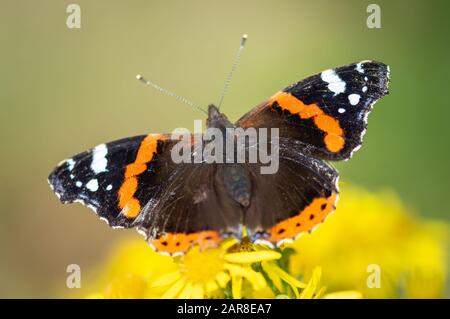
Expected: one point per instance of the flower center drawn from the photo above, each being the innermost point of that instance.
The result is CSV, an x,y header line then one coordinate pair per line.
x,y
201,266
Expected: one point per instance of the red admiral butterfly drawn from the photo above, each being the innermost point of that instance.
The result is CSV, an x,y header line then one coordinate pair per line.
x,y
134,183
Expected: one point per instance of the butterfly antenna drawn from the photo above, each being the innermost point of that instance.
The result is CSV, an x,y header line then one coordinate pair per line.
x,y
169,93
233,68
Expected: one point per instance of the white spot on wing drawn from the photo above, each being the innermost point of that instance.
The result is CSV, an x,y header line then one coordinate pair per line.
x,y
335,83
99,161
92,207
103,219
359,68
71,164
336,186
92,185
79,184
364,89
109,187
142,232
354,98
179,253
164,253
341,110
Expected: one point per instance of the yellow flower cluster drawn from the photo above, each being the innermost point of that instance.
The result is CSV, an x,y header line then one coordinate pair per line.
x,y
368,229
376,229
234,270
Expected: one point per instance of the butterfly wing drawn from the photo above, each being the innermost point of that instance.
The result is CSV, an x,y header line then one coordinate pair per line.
x,y
109,177
327,112
135,183
293,200
193,208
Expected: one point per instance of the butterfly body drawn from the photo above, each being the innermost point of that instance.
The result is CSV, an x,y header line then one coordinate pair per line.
x,y
134,182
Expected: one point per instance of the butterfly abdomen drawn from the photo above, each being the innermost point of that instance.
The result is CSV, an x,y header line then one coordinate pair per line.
x,y
237,183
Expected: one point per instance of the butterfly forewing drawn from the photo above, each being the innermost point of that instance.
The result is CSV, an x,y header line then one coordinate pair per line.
x,y
326,112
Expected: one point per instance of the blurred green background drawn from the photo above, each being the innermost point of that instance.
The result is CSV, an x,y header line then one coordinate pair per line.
x,y
65,90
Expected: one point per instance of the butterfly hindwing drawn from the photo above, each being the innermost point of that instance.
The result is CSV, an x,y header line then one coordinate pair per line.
x,y
193,207
293,200
327,112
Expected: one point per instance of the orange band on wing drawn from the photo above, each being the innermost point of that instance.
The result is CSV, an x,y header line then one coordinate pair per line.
x,y
127,190
173,243
305,220
334,137
129,205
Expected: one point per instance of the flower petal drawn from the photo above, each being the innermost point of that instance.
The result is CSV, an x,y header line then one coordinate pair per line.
x,y
255,278
211,286
252,256
166,279
276,280
227,243
236,287
311,287
320,293
286,277
222,279
198,291
175,289
186,293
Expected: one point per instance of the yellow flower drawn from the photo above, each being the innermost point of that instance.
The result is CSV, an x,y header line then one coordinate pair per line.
x,y
233,270
376,229
222,272
128,272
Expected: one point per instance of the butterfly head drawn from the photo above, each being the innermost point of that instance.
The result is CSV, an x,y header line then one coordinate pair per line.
x,y
217,119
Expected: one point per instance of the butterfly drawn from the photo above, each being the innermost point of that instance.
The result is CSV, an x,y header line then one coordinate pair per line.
x,y
134,183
